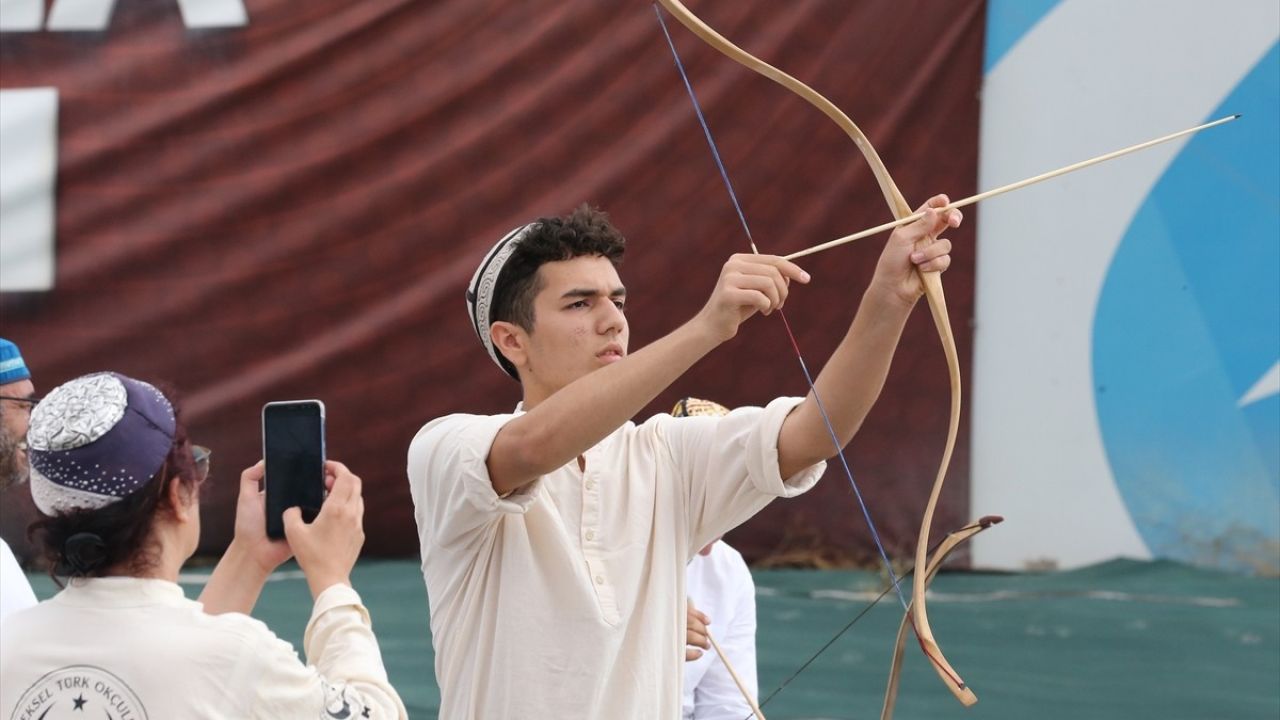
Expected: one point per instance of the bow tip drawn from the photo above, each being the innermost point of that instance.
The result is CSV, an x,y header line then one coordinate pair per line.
x,y
960,689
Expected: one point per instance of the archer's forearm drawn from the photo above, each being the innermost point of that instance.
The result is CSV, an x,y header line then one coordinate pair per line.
x,y
584,412
848,385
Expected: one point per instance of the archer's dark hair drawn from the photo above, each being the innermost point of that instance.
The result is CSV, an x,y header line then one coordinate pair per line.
x,y
88,543
585,231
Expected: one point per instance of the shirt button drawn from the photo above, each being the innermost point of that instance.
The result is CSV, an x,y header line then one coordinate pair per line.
x,y
591,484
591,535
599,579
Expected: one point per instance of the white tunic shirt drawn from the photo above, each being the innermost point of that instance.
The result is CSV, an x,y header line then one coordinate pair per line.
x,y
136,649
15,591
566,599
720,585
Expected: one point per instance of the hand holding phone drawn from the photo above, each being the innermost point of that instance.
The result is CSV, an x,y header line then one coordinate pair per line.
x,y
294,450
328,548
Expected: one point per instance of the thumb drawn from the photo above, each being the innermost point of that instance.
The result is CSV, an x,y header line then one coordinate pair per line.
x,y
293,522
251,479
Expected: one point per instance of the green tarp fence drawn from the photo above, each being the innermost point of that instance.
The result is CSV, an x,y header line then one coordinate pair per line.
x,y
1119,640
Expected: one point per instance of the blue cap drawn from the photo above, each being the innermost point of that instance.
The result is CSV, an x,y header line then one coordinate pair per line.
x,y
12,367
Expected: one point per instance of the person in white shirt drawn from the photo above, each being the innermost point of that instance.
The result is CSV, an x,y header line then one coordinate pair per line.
x,y
554,538
719,585
118,481
17,395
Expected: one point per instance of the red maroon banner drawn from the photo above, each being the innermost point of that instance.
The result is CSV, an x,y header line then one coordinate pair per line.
x,y
291,208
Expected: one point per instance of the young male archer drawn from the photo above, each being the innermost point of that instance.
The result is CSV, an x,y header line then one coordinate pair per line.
x,y
554,538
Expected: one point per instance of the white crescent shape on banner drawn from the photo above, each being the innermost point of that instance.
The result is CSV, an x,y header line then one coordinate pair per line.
x,y
1092,75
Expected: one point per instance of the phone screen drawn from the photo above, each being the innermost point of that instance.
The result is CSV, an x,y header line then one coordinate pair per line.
x,y
293,446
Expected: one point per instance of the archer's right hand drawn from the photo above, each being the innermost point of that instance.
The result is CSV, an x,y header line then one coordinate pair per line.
x,y
748,284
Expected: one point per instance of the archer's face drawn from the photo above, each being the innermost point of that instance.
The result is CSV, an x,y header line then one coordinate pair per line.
x,y
579,325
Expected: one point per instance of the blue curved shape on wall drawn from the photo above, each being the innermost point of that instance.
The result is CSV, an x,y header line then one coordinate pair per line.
x,y
1007,22
1187,322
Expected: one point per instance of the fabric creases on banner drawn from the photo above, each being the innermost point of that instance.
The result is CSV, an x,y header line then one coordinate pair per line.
x,y
292,208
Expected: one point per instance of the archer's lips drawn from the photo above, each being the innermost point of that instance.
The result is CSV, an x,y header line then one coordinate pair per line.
x,y
611,354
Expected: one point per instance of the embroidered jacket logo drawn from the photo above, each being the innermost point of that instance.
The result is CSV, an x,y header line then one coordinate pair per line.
x,y
84,690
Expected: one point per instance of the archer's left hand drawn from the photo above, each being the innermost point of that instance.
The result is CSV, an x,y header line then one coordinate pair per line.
x,y
916,246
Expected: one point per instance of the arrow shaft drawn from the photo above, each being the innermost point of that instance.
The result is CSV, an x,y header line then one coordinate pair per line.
x,y
1007,188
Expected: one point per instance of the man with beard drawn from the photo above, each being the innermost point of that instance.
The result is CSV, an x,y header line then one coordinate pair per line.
x,y
17,395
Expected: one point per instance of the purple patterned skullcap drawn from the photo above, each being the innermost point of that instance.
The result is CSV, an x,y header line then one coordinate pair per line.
x,y
483,286
96,440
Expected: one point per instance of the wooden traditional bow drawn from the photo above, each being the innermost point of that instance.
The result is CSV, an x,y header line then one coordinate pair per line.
x,y
952,541
932,282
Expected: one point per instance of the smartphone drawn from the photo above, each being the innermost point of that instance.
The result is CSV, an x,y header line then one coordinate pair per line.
x,y
293,447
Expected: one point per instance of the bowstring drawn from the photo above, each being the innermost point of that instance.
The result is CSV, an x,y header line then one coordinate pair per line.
x,y
865,609
826,419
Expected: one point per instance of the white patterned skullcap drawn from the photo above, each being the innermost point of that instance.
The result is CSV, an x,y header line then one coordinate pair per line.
x,y
483,286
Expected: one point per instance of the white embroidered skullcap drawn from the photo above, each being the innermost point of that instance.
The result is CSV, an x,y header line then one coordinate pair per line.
x,y
483,285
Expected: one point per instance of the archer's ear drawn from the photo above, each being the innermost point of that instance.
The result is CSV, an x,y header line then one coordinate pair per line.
x,y
511,340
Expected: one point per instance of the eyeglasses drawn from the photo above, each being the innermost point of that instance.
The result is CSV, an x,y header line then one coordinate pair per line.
x,y
33,400
201,455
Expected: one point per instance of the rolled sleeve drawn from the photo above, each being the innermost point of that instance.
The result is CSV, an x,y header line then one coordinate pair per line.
x,y
346,667
449,478
730,466
762,454
335,596
473,442
339,640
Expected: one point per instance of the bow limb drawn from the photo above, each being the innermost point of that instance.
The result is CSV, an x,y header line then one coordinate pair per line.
x,y
952,541
920,617
828,108
932,282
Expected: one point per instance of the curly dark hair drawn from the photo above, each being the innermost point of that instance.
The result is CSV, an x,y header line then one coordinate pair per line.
x,y
584,232
117,538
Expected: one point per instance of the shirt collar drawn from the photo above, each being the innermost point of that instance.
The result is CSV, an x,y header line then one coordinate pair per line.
x,y
120,592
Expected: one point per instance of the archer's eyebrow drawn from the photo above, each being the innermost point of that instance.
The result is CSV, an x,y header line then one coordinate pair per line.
x,y
618,292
